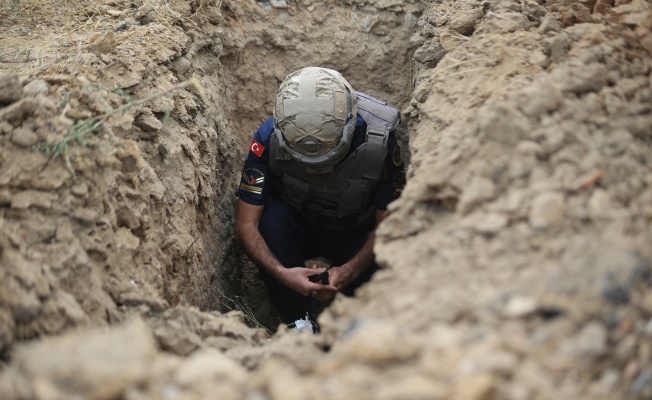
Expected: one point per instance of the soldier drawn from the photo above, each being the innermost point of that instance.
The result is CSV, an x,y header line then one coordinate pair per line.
x,y
316,182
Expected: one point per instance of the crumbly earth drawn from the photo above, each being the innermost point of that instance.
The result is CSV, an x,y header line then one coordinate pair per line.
x,y
516,263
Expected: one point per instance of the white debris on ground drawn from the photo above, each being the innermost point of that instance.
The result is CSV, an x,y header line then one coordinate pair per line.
x,y
305,324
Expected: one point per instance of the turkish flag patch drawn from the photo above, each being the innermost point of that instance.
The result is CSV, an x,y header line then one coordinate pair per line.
x,y
257,148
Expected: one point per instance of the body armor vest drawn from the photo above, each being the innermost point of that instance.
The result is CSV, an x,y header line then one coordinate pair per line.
x,y
342,197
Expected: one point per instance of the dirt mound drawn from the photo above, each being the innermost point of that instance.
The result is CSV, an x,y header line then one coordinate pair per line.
x,y
128,203
523,233
517,260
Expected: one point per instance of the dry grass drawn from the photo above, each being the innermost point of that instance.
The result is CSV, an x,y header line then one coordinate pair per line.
x,y
210,3
17,11
167,15
51,30
10,8
238,303
82,128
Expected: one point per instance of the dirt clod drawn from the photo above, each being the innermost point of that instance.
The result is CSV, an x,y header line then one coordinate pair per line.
x,y
10,89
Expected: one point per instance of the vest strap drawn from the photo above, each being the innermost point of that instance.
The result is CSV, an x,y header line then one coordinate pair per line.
x,y
279,153
377,135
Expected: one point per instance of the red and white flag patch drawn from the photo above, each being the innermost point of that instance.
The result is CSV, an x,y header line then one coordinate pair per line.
x,y
257,148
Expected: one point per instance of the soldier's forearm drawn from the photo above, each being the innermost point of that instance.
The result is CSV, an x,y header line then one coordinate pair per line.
x,y
253,244
363,259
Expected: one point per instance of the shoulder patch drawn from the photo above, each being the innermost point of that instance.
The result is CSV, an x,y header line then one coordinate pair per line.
x,y
397,160
257,148
252,181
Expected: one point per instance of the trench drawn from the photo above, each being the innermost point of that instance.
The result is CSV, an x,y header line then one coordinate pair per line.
x,y
368,45
157,189
516,264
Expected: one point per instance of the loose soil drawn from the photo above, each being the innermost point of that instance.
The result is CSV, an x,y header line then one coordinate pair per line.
x,y
516,263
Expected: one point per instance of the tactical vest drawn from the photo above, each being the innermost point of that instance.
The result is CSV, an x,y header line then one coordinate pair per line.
x,y
341,198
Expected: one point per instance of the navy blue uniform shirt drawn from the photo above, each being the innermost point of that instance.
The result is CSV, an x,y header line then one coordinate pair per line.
x,y
255,185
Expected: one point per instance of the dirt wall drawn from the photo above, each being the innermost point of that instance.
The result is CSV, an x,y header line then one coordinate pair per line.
x,y
365,41
111,204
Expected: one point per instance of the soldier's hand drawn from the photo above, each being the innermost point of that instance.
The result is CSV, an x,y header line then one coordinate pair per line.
x,y
323,296
297,280
340,277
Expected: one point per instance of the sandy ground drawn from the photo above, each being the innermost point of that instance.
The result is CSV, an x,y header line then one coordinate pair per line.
x,y
516,262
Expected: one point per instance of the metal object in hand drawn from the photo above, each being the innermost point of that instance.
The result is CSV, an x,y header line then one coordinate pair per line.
x,y
323,278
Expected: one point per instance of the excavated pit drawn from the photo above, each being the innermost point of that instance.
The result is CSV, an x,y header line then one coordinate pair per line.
x,y
368,45
517,260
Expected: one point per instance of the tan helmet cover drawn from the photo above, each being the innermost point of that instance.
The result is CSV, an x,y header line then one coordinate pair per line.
x,y
313,107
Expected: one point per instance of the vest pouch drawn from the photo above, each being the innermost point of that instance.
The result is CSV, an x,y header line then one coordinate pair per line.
x,y
295,192
353,199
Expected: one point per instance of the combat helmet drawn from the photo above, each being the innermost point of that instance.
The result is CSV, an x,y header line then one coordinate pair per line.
x,y
315,117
